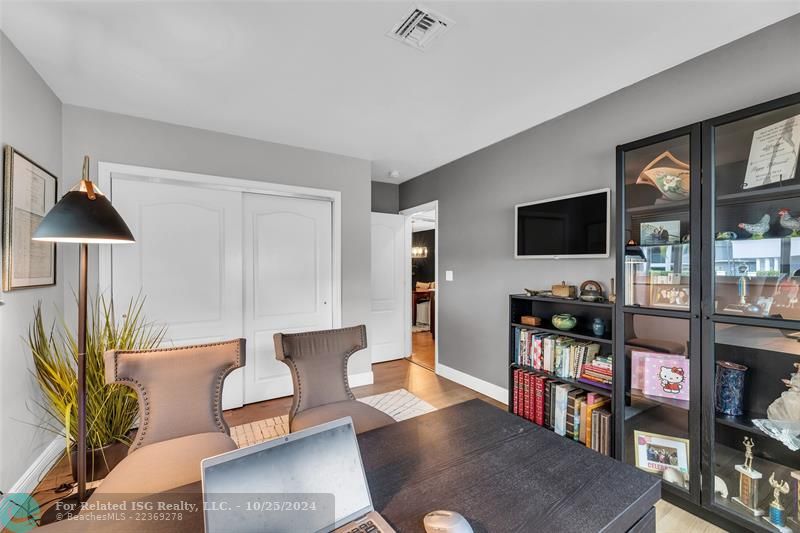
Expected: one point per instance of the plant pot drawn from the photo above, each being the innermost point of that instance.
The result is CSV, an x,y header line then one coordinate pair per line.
x,y
100,461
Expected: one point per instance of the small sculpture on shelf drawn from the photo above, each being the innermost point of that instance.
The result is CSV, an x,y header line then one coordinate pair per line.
x,y
748,481
726,236
783,415
757,229
777,513
612,297
720,487
741,285
591,291
671,181
790,223
598,326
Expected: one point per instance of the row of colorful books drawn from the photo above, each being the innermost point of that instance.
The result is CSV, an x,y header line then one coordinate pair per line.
x,y
562,356
569,411
599,371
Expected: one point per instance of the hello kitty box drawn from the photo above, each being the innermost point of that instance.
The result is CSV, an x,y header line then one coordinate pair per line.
x,y
667,376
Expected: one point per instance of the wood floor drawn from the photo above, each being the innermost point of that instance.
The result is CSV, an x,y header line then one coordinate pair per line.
x,y
435,390
423,349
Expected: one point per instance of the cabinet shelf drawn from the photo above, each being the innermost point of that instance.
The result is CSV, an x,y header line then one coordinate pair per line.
x,y
655,209
567,301
742,423
758,195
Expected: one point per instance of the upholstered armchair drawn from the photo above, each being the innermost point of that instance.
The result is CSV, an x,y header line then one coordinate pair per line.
x,y
318,363
180,410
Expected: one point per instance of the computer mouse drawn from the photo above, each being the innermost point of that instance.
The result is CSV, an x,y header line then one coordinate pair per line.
x,y
446,522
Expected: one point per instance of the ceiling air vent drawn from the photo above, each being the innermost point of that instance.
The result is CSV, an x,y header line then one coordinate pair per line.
x,y
420,28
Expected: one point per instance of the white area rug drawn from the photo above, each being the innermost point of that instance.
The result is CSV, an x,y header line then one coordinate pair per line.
x,y
399,404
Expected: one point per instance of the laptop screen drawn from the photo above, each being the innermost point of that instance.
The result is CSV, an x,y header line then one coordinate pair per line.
x,y
307,462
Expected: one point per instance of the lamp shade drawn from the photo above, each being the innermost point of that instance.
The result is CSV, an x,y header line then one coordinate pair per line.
x,y
83,215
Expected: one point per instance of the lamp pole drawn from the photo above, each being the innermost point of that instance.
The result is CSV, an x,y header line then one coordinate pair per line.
x,y
82,312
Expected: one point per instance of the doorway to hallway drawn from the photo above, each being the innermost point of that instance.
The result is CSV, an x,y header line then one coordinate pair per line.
x,y
423,285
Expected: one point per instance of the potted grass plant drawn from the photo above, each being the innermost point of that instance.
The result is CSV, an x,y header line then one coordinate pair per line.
x,y
111,410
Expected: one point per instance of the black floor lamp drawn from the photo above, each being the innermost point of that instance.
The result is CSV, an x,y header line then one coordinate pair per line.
x,y
83,216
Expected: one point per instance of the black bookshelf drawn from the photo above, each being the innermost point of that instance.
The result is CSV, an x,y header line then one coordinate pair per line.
x,y
544,308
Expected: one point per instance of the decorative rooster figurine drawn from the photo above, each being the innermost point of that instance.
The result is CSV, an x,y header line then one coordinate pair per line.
x,y
789,223
758,229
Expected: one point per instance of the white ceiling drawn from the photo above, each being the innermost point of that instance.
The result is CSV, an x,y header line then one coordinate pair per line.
x,y
324,75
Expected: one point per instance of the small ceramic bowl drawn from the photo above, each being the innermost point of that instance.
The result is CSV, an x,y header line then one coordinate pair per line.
x,y
564,321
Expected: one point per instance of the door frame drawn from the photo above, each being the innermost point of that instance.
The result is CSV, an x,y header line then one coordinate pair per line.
x,y
105,170
408,213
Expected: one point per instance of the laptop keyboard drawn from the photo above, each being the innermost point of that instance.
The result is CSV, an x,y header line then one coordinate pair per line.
x,y
367,527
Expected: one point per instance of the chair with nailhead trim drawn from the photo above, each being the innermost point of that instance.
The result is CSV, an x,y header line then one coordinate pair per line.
x,y
318,363
180,414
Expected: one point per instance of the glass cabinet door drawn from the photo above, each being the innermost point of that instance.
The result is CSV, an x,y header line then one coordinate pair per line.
x,y
756,215
657,226
751,367
658,304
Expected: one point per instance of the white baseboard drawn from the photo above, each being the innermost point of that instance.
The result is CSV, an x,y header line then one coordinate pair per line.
x,y
27,483
484,387
358,380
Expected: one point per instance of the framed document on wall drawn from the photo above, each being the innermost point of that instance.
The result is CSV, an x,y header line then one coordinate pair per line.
x,y
29,191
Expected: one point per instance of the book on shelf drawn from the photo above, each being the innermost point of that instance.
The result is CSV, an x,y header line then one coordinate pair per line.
x,y
562,391
558,355
539,385
573,406
569,411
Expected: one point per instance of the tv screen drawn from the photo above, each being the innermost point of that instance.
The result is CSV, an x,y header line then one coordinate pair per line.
x,y
575,225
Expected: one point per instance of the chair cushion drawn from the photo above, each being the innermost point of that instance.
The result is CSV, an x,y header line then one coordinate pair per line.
x,y
364,417
164,465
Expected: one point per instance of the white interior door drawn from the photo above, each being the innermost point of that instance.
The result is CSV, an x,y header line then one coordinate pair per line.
x,y
387,334
186,262
287,282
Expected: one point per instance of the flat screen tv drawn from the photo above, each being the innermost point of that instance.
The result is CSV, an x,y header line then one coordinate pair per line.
x,y
568,226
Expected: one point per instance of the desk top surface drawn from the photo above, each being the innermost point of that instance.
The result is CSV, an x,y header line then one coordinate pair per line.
x,y
501,472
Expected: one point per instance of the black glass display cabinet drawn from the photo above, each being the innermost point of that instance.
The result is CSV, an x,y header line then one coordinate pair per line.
x,y
658,367
707,321
751,314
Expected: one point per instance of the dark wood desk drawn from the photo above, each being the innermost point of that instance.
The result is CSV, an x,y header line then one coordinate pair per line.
x,y
502,473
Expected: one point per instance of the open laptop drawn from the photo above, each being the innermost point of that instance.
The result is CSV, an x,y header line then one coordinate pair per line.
x,y
312,480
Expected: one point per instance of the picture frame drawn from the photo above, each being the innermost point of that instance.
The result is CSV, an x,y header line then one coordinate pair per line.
x,y
773,154
656,453
29,192
660,232
669,295
667,376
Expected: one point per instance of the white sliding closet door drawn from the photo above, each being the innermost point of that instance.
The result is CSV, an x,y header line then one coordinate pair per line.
x,y
287,282
187,262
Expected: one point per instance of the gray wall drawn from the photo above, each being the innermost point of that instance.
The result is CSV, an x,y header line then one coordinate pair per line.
x,y
572,153
124,139
385,197
30,121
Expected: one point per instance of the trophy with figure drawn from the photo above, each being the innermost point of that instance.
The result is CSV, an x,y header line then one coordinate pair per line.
x,y
777,513
748,481
796,519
